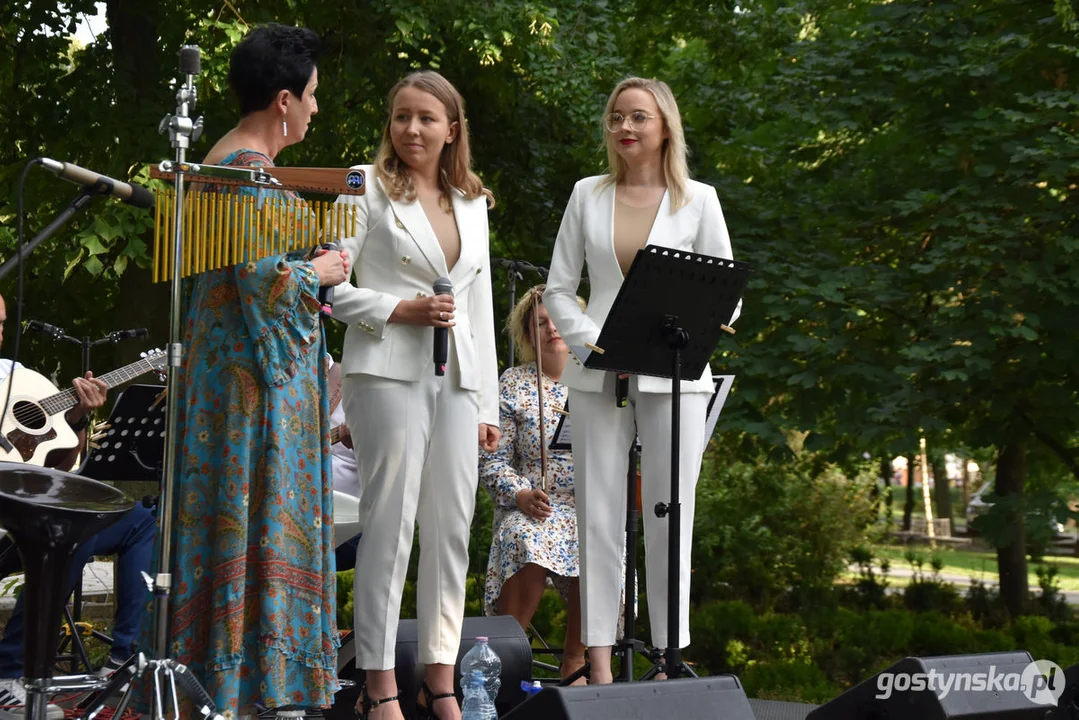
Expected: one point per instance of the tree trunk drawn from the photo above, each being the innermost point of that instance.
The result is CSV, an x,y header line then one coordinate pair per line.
x,y
886,476
967,480
908,507
1012,556
942,489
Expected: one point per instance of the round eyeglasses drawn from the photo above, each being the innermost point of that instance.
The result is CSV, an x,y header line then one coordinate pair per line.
x,y
637,120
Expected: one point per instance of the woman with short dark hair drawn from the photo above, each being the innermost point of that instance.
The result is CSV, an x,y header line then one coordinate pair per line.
x,y
254,608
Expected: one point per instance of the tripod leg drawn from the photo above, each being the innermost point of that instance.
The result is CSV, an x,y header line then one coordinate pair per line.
x,y
653,671
583,671
120,681
159,698
78,647
168,671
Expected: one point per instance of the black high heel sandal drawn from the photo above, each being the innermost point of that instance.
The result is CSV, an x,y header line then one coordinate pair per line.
x,y
367,704
427,712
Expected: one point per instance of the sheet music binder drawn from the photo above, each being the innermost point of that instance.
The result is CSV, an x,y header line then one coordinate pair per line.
x,y
664,282
563,434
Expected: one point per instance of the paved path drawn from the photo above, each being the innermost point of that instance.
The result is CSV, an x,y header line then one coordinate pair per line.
x,y
97,584
961,582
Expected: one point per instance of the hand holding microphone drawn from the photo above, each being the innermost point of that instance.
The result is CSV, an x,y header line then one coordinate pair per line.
x,y
331,264
443,290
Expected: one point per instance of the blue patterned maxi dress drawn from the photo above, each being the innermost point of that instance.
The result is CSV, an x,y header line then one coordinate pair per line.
x,y
254,605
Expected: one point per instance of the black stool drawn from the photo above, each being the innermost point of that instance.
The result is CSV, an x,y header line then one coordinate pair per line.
x,y
48,513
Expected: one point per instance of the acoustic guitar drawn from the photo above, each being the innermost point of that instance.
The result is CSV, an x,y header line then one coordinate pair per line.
x,y
34,424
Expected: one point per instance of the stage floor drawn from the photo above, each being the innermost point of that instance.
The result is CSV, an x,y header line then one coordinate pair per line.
x,y
778,710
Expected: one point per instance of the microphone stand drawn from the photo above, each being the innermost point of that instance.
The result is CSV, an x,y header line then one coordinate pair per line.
x,y
57,333
513,272
168,674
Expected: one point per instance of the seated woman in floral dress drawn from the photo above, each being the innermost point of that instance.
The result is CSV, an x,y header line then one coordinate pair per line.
x,y
535,532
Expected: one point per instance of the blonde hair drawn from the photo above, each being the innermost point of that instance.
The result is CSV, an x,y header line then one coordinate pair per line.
x,y
519,324
675,168
455,163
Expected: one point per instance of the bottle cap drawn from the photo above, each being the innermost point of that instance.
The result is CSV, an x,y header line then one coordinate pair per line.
x,y
481,638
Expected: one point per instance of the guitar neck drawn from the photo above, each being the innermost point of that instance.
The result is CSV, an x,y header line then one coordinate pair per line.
x,y
64,401
335,435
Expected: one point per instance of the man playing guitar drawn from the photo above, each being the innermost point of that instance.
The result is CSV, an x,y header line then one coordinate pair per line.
x,y
131,539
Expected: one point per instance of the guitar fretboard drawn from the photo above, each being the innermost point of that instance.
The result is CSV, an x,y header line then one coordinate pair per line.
x,y
64,401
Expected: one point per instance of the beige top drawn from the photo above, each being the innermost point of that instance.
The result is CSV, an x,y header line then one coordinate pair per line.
x,y
444,225
631,228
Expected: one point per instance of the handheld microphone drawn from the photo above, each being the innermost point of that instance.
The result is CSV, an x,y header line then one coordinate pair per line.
x,y
131,194
621,391
325,293
442,286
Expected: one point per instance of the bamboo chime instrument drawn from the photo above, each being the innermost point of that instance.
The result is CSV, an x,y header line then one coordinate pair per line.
x,y
222,228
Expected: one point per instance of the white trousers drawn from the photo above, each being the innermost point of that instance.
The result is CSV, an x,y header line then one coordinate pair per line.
x,y
417,454
602,433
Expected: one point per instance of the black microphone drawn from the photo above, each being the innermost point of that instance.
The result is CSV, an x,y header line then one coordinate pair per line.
x,y
325,293
133,334
131,194
621,391
190,60
442,286
38,326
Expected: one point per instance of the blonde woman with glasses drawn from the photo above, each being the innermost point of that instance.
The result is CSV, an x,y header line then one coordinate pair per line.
x,y
646,198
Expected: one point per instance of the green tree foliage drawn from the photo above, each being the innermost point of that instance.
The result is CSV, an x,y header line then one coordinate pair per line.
x,y
911,166
533,76
900,174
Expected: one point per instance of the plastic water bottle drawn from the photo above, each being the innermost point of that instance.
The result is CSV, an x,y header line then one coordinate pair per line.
x,y
483,659
530,688
477,704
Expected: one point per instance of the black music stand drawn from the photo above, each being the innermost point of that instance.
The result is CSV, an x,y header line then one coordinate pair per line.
x,y
133,446
132,450
666,321
629,645
563,434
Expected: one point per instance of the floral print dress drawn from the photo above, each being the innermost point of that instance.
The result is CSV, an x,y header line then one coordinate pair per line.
x,y
254,605
518,539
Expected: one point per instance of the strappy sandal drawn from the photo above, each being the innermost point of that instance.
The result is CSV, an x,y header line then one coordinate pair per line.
x,y
367,704
427,711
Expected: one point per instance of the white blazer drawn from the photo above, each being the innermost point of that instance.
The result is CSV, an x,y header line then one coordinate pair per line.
x,y
395,256
587,236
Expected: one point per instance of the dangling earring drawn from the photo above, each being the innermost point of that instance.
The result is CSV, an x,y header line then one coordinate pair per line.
x,y
284,127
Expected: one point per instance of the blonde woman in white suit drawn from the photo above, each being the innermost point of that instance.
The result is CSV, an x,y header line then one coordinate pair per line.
x,y
424,216
647,198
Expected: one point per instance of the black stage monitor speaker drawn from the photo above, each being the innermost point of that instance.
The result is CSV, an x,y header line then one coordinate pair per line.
x,y
1068,706
709,698
503,634
992,686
